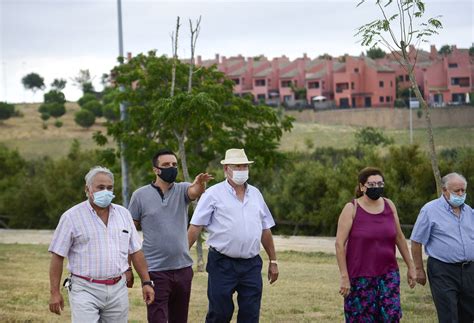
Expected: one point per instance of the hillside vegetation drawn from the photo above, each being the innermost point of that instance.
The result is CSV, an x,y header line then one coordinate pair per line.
x,y
26,134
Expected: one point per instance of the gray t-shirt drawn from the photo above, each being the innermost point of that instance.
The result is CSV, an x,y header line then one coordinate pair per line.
x,y
164,223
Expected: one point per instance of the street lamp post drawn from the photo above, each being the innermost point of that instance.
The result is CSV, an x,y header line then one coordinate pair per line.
x,y
123,116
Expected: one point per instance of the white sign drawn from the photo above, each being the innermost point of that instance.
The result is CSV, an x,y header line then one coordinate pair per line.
x,y
414,104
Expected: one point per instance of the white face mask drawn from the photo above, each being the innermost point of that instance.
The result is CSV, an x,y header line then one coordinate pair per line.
x,y
239,177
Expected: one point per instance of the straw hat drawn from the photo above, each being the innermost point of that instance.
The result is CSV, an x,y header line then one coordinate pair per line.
x,y
235,157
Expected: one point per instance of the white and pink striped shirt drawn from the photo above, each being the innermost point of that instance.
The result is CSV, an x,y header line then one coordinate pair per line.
x,y
93,249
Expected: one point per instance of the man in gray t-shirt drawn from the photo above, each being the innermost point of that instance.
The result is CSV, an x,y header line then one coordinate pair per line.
x,y
161,209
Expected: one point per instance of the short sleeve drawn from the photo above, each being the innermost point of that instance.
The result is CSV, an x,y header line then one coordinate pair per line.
x,y
62,237
135,243
204,210
267,218
135,207
422,229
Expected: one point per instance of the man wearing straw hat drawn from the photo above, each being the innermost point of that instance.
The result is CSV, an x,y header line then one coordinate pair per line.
x,y
238,220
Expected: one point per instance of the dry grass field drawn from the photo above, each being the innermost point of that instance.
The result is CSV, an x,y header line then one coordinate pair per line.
x,y
26,134
305,292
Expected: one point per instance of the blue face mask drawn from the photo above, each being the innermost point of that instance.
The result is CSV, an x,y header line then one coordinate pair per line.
x,y
103,198
456,200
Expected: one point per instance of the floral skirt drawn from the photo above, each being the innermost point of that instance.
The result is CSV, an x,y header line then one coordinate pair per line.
x,y
374,299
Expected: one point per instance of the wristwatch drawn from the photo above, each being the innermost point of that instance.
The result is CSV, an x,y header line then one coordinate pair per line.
x,y
148,283
274,262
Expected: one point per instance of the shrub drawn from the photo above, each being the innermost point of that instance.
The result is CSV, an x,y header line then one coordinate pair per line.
x,y
84,118
6,110
94,106
86,98
54,96
111,112
54,109
45,116
58,124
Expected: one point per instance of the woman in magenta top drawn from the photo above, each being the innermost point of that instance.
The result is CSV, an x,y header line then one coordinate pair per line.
x,y
367,233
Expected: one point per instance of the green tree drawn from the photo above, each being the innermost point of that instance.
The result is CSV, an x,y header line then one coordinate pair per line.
x,y
471,51
86,98
94,106
445,50
375,53
7,110
33,82
84,81
370,136
211,117
403,16
84,118
111,112
59,84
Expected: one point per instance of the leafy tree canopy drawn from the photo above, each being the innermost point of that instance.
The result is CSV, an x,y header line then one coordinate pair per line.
x,y
375,52
59,84
212,118
84,118
7,110
33,82
445,50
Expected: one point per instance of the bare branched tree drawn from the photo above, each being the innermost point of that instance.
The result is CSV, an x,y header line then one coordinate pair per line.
x,y
174,50
399,28
194,36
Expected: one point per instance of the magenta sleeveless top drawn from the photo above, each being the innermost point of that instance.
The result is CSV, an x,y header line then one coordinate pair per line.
x,y
370,249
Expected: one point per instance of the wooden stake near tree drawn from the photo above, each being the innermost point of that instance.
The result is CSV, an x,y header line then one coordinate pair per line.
x,y
181,133
400,16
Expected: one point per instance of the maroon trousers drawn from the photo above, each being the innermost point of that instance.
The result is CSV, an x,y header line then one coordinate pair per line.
x,y
172,293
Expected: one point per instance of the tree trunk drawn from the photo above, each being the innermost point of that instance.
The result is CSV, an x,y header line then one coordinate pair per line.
x,y
429,127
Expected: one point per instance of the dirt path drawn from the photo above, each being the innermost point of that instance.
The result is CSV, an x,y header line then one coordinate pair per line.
x,y
282,243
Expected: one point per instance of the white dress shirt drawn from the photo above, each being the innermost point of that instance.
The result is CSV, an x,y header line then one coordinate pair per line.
x,y
235,227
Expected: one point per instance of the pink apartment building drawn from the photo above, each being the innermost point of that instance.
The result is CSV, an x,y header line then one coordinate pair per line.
x,y
348,81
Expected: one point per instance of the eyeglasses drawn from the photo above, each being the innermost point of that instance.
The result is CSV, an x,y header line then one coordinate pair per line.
x,y
374,184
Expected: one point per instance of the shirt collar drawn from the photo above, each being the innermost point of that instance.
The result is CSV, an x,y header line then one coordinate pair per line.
x,y
448,207
231,189
89,206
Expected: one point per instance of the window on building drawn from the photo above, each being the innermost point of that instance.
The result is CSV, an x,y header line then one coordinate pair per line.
x,y
287,98
453,65
381,99
313,85
407,77
261,97
285,83
460,81
341,87
400,78
260,82
356,70
387,99
391,83
236,81
380,83
352,85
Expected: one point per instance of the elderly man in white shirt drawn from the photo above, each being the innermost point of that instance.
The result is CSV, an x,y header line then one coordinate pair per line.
x,y
238,220
97,237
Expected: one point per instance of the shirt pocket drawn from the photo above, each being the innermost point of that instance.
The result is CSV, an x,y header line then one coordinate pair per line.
x,y
124,241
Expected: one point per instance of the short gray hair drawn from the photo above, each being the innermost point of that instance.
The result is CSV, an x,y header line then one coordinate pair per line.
x,y
447,178
97,170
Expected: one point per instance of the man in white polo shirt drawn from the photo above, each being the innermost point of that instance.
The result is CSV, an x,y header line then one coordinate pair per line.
x,y
238,220
97,237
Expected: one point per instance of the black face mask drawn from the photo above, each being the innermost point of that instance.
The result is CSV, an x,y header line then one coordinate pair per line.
x,y
168,174
374,193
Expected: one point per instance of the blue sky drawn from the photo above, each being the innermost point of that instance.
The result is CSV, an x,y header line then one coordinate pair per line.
x,y
57,38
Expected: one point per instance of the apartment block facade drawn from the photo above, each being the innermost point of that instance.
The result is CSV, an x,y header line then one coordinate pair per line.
x,y
348,81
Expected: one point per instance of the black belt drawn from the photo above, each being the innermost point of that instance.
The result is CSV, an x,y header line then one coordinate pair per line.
x,y
462,264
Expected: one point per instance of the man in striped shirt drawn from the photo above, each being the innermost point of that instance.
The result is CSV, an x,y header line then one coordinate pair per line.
x,y
97,237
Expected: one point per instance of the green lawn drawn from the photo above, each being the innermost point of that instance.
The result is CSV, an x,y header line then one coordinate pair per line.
x,y
307,291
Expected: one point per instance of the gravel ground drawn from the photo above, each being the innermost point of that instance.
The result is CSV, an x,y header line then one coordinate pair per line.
x,y
282,243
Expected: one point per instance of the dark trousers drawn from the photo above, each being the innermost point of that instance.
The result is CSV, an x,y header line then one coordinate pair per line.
x,y
228,275
172,293
452,288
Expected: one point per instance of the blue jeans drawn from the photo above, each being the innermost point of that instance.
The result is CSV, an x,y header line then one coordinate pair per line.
x,y
228,275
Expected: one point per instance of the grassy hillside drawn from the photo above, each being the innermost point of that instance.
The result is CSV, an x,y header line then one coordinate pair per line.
x,y
26,134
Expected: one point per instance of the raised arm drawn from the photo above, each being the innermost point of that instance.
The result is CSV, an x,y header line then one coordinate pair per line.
x,y
198,186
